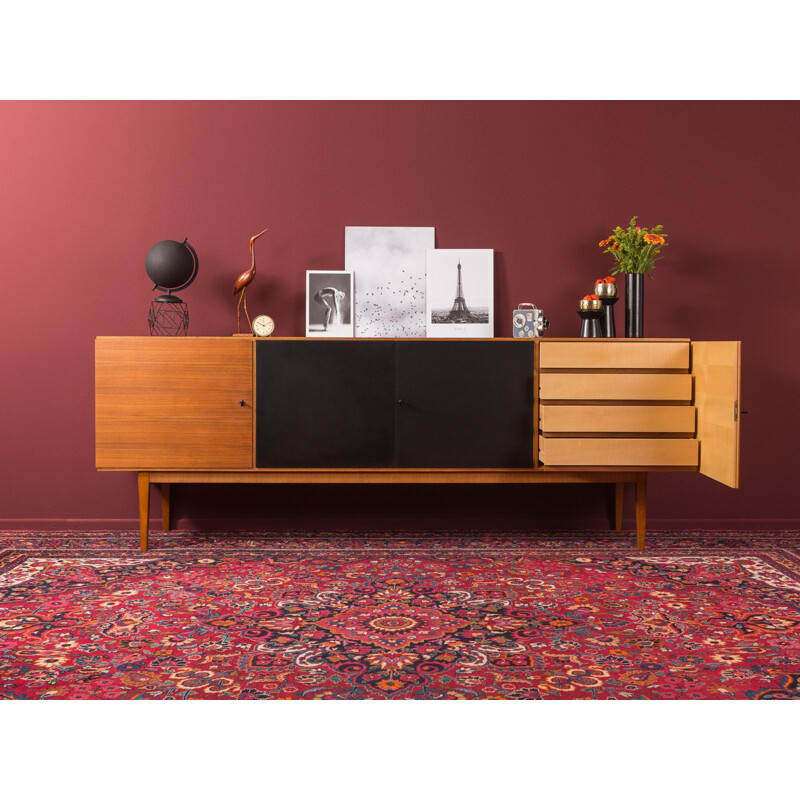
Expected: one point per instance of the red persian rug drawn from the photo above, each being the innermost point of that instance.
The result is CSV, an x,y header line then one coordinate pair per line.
x,y
338,616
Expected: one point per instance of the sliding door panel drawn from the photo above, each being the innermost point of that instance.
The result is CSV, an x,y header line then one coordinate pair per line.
x,y
465,404
324,404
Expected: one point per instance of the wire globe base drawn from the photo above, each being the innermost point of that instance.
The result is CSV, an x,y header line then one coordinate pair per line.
x,y
168,319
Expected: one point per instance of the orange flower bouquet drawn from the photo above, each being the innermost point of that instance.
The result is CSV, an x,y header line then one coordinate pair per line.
x,y
635,249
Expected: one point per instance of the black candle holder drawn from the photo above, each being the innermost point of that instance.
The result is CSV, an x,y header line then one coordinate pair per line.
x,y
607,325
590,326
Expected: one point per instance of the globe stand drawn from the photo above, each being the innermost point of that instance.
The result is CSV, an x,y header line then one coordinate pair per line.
x,y
168,316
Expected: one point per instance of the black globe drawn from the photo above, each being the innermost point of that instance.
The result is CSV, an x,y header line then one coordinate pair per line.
x,y
170,264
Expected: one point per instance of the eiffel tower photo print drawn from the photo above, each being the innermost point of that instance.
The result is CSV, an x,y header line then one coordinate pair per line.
x,y
459,293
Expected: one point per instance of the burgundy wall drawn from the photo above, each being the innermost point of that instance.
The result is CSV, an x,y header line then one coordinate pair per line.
x,y
87,188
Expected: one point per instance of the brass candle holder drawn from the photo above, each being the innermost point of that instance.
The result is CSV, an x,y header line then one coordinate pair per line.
x,y
605,289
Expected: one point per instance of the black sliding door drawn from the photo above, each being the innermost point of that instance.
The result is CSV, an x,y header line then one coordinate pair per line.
x,y
325,404
464,404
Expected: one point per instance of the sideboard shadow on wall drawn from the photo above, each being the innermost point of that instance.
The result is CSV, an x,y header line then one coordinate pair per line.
x,y
245,410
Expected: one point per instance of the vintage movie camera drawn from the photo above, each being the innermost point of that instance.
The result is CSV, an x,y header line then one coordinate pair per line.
x,y
529,321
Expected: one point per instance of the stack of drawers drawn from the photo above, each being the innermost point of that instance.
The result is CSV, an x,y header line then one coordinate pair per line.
x,y
618,403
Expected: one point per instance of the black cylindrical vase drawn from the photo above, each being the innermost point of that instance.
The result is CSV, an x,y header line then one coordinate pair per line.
x,y
634,305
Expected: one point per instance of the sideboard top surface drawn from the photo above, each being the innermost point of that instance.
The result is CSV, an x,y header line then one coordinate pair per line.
x,y
366,339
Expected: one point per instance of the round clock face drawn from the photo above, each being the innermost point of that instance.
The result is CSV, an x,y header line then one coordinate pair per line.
x,y
263,325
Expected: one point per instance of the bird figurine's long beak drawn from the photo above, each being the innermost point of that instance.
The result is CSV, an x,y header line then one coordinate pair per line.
x,y
257,235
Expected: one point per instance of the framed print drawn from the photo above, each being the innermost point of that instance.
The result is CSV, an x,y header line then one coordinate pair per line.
x,y
459,294
389,264
329,303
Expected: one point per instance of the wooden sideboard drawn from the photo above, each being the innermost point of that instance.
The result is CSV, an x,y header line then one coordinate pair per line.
x,y
243,410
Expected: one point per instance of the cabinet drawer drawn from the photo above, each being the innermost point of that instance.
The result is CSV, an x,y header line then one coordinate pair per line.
x,y
615,386
616,419
637,453
614,355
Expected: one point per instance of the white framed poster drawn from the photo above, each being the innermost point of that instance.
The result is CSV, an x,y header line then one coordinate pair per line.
x,y
459,294
329,303
389,264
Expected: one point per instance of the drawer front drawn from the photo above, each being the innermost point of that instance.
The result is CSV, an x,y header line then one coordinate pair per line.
x,y
614,355
636,453
616,419
615,386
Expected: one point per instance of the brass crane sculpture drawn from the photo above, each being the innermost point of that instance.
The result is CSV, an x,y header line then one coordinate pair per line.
x,y
243,281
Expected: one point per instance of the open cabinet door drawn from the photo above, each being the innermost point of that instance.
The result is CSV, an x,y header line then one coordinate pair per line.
x,y
715,367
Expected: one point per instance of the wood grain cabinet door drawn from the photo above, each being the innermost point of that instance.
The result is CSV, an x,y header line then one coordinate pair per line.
x,y
716,368
173,403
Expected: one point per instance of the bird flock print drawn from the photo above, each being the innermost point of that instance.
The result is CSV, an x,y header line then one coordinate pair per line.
x,y
390,279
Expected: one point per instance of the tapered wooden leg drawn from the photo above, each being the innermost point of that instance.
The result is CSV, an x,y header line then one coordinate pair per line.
x,y
144,507
619,499
165,487
641,508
